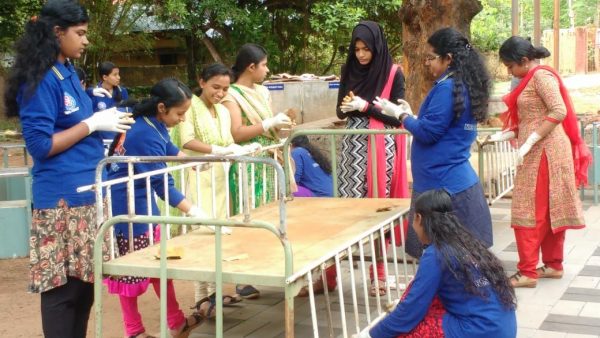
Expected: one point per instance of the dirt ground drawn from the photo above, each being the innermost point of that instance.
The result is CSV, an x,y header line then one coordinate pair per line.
x,y
20,310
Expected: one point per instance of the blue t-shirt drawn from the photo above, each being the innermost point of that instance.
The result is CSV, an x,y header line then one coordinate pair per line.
x,y
467,315
101,103
58,104
310,175
441,145
147,137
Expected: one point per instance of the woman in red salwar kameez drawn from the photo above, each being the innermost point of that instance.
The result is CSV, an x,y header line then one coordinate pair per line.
x,y
551,154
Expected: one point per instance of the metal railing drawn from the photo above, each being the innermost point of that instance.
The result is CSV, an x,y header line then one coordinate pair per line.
x,y
497,165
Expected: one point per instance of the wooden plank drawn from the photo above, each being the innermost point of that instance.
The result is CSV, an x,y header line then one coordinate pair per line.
x,y
316,227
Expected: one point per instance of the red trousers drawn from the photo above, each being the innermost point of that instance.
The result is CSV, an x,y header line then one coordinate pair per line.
x,y
531,240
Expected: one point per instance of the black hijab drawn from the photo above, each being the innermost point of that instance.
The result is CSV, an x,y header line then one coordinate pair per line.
x,y
367,81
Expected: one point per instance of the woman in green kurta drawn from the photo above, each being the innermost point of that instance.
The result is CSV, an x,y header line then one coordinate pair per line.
x,y
252,121
207,130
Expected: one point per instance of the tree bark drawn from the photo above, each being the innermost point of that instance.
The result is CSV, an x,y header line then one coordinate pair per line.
x,y
420,19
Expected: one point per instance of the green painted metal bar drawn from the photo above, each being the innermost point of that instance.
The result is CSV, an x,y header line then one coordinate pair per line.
x,y
219,281
594,159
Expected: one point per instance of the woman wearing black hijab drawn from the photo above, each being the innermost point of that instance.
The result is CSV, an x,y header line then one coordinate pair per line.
x,y
369,72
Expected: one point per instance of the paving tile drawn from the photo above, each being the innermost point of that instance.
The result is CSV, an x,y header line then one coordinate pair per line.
x,y
567,307
590,270
549,334
582,295
597,252
575,335
512,247
532,315
594,261
523,332
591,310
571,324
585,282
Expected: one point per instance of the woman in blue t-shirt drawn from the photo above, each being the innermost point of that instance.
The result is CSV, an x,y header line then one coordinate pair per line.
x,y
445,129
460,289
165,108
61,134
107,93
312,169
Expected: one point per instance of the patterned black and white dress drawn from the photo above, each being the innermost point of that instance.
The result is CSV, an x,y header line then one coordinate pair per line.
x,y
352,171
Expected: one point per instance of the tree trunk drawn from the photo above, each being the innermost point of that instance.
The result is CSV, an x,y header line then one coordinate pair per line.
x,y
211,48
420,19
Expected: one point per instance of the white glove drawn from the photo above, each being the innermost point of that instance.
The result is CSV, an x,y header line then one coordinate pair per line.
x,y
277,121
101,92
252,148
196,212
218,150
526,147
406,110
234,148
389,108
355,104
501,136
109,120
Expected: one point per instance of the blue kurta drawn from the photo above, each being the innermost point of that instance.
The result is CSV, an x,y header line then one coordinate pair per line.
x,y
310,175
147,137
467,315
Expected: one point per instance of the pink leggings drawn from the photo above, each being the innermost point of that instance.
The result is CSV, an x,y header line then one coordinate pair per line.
x,y
132,319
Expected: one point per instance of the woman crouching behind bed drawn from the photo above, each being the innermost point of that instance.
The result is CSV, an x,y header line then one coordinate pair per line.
x,y
460,289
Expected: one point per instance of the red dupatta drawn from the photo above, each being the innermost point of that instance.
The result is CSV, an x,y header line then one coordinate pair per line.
x,y
582,157
399,185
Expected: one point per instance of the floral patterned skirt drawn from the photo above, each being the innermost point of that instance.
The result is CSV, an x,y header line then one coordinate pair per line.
x,y
61,244
129,286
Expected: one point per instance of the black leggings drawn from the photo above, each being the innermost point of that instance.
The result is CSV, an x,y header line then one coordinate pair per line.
x,y
66,309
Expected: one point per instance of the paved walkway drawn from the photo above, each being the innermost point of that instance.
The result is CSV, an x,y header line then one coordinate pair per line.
x,y
569,307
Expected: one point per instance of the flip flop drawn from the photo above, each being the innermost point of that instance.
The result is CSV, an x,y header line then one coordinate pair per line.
x,y
247,292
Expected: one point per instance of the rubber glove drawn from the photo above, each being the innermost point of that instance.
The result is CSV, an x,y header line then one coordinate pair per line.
x,y
406,109
101,92
389,108
362,334
526,147
235,148
277,121
501,136
356,103
109,120
218,150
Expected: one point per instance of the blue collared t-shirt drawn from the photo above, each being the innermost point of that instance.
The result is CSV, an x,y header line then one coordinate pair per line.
x,y
147,137
441,144
58,104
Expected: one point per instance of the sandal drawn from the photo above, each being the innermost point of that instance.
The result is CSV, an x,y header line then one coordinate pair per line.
x,y
206,312
187,328
228,300
247,291
519,281
548,272
382,289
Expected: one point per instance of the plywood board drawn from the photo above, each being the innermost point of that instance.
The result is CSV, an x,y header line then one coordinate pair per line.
x,y
316,228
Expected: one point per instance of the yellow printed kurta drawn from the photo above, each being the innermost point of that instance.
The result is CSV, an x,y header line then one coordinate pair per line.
x,y
211,183
541,98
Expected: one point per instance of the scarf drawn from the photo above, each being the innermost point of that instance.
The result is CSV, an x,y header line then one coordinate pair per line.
x,y
255,104
582,157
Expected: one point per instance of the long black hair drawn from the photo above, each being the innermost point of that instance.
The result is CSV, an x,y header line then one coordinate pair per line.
x,y
516,48
170,91
38,49
463,255
303,142
468,68
105,69
215,69
248,54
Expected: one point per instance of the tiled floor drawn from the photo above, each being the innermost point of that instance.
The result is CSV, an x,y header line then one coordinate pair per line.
x,y
566,308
